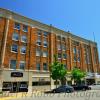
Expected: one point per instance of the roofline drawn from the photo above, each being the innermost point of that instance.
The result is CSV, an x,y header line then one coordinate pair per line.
x,y
34,23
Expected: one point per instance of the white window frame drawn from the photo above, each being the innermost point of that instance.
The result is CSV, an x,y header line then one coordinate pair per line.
x,y
10,64
14,38
22,39
15,27
21,48
20,64
14,51
45,54
25,30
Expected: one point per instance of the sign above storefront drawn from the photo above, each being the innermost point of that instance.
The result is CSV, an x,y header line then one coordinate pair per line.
x,y
16,74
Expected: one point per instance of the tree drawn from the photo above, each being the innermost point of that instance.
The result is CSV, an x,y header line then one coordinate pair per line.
x,y
77,75
58,71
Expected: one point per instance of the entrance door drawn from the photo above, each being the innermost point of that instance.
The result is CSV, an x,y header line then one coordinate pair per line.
x,y
14,86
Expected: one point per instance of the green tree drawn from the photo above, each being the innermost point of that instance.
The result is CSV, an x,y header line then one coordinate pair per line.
x,y
77,75
58,71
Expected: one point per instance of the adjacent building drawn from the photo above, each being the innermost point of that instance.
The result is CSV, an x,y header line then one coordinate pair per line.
x,y
27,48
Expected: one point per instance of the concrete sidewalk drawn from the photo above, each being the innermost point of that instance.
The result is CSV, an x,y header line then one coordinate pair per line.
x,y
10,96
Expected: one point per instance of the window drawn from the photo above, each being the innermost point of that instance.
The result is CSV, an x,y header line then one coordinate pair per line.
x,y
59,46
38,52
75,59
22,65
15,36
17,26
58,38
24,38
45,34
63,47
78,59
13,64
45,54
14,48
74,50
23,49
45,66
45,43
64,56
63,39
65,66
39,33
25,28
38,66
59,55
39,41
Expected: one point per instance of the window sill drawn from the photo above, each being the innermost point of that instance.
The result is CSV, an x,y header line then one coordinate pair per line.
x,y
25,31
16,28
23,53
23,41
15,40
14,52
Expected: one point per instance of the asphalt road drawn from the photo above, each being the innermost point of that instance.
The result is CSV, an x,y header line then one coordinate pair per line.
x,y
82,95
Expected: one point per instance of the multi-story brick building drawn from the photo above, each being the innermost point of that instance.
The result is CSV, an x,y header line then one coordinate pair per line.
x,y
27,48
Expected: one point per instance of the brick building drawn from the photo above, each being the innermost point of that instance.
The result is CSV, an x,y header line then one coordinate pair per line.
x,y
27,48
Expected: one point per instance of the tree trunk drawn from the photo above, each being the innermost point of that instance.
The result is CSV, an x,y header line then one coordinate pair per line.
x,y
56,83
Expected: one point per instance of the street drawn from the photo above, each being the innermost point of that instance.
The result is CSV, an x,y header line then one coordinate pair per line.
x,y
80,95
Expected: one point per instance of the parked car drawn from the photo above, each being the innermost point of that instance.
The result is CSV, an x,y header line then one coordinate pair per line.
x,y
95,86
64,88
81,87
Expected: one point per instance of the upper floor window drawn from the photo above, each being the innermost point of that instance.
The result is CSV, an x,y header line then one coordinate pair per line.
x,y
45,43
59,55
63,39
59,46
78,51
63,47
58,37
65,66
24,38
75,58
39,41
14,48
17,26
74,50
39,33
13,64
45,34
22,65
15,36
38,52
25,28
78,59
38,66
45,54
45,66
23,49
64,56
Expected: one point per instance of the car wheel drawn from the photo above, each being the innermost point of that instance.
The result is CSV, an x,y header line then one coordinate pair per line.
x,y
68,91
84,89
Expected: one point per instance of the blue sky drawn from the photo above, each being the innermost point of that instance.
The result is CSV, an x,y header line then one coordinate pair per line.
x,y
81,17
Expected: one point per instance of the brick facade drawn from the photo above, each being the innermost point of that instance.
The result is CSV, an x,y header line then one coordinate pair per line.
x,y
71,50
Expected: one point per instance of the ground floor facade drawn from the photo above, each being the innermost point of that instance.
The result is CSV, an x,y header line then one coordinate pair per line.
x,y
14,80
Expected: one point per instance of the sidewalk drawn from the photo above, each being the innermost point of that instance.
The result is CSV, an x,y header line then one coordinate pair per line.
x,y
11,96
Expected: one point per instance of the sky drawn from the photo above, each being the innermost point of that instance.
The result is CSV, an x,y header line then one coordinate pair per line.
x,y
80,17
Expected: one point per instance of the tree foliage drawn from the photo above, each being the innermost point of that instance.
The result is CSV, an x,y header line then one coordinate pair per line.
x,y
77,75
58,71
